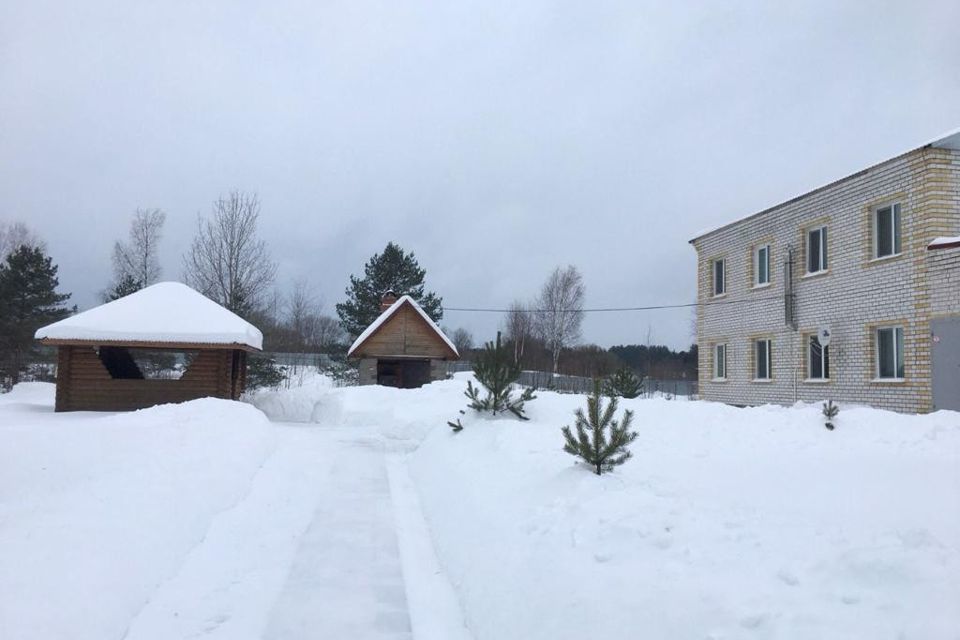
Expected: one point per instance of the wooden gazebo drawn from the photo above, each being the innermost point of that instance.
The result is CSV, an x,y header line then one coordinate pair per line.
x,y
165,343
403,347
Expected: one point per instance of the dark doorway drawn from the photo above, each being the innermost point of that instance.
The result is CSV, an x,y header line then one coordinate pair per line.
x,y
403,374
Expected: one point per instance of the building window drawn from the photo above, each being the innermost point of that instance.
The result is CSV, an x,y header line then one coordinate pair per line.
x,y
817,250
886,231
761,354
818,358
761,265
719,277
890,353
719,362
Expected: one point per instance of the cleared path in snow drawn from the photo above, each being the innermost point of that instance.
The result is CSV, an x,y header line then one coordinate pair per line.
x,y
311,551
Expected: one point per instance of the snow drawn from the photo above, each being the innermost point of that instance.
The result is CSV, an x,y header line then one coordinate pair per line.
x,y
369,518
164,312
388,313
944,242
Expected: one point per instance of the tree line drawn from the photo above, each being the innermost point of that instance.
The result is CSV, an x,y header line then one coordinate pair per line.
x,y
228,262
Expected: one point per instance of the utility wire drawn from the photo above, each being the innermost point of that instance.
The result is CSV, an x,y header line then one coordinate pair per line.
x,y
618,309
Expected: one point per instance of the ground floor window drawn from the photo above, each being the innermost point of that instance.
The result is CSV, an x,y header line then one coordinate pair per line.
x,y
761,351
720,361
818,358
890,353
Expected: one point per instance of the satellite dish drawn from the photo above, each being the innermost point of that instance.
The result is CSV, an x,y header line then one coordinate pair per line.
x,y
823,336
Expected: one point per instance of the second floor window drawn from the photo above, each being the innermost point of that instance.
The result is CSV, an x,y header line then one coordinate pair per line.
x,y
817,250
719,277
761,265
761,350
886,231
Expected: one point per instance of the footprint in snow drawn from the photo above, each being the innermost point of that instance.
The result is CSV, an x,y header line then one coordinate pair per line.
x,y
788,578
754,621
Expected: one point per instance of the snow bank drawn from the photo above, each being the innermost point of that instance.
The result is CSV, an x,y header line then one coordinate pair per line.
x,y
404,416
98,510
727,523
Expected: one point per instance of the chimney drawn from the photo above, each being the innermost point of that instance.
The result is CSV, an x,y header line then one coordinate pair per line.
x,y
387,301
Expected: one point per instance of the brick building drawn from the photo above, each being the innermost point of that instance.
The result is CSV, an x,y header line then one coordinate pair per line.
x,y
872,259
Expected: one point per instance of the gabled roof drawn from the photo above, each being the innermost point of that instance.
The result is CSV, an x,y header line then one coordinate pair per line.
x,y
166,313
391,311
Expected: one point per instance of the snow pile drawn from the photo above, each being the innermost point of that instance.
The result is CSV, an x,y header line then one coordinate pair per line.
x,y
295,403
727,523
204,520
163,312
399,415
97,510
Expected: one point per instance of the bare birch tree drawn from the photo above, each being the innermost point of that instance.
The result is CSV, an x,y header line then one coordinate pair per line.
x,y
227,262
327,332
560,311
303,308
137,257
14,235
518,327
462,340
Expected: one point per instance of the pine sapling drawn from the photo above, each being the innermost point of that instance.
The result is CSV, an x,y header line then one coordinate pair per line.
x,y
456,426
624,383
600,441
830,411
497,371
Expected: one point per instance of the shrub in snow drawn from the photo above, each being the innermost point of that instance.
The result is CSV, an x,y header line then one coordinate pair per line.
x,y
600,440
830,412
496,371
262,371
624,384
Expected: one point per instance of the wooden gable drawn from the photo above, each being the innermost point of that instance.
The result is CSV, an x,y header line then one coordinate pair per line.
x,y
405,334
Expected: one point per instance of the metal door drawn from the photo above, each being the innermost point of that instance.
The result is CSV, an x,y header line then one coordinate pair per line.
x,y
946,363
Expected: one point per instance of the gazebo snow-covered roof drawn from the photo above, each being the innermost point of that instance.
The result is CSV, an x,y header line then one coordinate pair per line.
x,y
392,310
168,314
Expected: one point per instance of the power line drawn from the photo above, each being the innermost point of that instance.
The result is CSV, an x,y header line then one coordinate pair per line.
x,y
619,309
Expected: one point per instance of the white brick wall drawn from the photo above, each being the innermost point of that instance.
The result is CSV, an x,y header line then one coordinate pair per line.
x,y
855,295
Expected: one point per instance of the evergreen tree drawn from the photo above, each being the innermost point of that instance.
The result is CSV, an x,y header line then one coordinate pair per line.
x,y
600,440
124,287
28,301
395,270
496,370
830,412
263,371
624,384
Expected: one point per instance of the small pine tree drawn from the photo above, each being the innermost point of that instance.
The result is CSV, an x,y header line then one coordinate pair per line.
x,y
830,412
624,384
263,371
600,440
28,301
496,370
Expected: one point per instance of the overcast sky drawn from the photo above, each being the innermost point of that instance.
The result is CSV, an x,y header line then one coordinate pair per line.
x,y
497,140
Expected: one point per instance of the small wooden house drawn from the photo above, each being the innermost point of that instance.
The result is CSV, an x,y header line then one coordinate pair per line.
x,y
165,343
403,347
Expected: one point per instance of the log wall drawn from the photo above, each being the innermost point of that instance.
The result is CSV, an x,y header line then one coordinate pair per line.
x,y
84,384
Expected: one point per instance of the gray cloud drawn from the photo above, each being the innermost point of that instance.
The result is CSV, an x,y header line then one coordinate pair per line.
x,y
495,140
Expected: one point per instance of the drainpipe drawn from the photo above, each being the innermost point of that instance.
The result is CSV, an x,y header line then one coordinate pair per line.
x,y
790,315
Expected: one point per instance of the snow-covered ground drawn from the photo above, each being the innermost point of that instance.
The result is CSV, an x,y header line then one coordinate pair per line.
x,y
357,513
